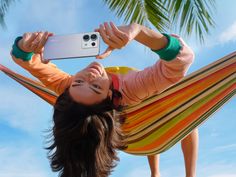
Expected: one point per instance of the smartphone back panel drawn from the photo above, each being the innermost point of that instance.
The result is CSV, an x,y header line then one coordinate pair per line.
x,y
72,46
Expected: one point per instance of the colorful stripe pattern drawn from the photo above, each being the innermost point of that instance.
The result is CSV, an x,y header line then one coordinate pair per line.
x,y
159,122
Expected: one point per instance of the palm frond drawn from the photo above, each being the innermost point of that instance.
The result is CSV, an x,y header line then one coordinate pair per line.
x,y
185,16
193,16
4,6
141,11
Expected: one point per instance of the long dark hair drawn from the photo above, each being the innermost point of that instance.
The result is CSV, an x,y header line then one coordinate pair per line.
x,y
84,138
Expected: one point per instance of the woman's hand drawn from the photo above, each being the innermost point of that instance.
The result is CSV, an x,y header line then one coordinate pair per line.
x,y
34,42
116,37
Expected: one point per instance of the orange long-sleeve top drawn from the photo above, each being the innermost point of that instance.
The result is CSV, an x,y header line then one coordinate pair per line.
x,y
134,86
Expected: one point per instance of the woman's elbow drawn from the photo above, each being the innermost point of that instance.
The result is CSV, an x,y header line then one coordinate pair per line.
x,y
191,56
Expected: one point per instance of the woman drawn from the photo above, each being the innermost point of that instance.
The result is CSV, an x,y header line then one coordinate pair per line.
x,y
86,133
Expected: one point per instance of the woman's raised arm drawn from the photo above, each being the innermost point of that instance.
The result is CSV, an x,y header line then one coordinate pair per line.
x,y
27,52
175,59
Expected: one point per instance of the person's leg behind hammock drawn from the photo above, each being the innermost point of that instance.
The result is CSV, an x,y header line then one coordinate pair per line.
x,y
190,151
153,161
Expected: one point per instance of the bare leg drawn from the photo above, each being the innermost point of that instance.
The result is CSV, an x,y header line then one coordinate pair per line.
x,y
153,161
190,151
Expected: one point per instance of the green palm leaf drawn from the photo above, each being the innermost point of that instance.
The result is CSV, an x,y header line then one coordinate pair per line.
x,y
4,6
185,16
144,12
193,16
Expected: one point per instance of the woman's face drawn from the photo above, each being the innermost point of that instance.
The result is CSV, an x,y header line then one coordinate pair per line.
x,y
91,85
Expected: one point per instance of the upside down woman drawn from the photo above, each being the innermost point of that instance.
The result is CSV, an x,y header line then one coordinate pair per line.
x,y
86,133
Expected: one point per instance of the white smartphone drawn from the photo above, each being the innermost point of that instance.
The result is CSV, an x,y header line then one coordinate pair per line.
x,y
72,46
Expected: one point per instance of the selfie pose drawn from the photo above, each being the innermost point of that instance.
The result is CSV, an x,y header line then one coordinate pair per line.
x,y
86,130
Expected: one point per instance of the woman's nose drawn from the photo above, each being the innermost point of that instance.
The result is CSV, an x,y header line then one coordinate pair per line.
x,y
90,76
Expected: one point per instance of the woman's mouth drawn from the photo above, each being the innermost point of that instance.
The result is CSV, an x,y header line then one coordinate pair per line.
x,y
94,71
96,68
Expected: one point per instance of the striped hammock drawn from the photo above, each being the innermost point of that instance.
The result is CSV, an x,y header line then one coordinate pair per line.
x,y
161,121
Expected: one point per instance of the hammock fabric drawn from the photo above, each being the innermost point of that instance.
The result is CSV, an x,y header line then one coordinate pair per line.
x,y
161,121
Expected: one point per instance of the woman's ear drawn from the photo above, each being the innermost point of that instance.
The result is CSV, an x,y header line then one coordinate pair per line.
x,y
110,94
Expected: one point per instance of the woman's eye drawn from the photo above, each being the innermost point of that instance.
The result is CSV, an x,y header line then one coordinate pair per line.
x,y
96,86
79,81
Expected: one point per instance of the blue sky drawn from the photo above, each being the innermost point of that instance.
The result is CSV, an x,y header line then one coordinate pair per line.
x,y
24,117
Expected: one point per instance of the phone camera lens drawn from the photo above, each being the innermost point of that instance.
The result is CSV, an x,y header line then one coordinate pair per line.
x,y
93,43
94,37
86,37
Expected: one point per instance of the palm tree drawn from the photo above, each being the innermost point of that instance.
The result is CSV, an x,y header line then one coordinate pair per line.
x,y
4,6
186,16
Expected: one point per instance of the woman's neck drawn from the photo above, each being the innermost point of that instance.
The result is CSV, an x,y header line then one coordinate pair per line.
x,y
113,79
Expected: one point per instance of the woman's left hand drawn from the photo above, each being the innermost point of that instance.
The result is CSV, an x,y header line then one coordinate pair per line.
x,y
116,37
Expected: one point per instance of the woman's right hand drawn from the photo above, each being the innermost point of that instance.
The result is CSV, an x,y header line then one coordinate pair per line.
x,y
116,37
34,42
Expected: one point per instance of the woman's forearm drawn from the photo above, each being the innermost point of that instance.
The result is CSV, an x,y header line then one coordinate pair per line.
x,y
51,76
150,38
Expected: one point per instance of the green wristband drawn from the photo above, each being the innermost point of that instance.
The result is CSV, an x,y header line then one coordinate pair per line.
x,y
18,53
171,50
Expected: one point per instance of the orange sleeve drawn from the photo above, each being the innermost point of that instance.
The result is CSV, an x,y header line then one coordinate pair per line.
x,y
52,77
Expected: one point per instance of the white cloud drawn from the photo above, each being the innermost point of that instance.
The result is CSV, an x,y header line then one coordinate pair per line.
x,y
223,37
138,171
21,162
53,13
224,175
22,109
229,34
44,15
6,58
29,174
217,169
226,147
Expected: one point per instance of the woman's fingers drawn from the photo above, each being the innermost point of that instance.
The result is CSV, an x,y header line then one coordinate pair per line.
x,y
50,34
105,54
112,36
36,41
105,37
41,46
43,60
124,37
27,40
41,43
96,30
